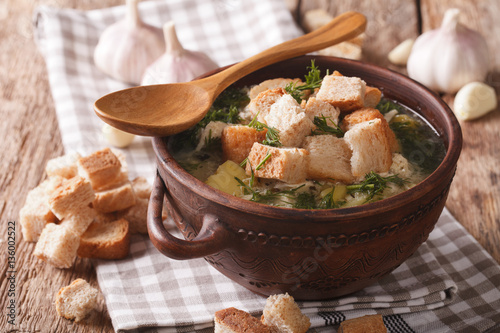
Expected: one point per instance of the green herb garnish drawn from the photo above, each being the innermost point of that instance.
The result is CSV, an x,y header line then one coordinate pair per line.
x,y
322,127
272,135
374,184
264,160
313,80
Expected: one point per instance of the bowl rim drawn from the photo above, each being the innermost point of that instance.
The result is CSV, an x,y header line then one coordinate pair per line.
x,y
290,215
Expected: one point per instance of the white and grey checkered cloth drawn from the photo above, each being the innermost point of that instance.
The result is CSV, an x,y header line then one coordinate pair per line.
x,y
450,284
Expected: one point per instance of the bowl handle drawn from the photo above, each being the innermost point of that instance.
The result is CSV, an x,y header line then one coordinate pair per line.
x,y
212,238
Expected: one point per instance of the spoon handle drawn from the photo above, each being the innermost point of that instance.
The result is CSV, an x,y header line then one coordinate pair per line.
x,y
341,28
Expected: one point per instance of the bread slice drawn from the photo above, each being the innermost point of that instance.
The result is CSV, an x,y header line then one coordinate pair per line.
x,y
79,220
365,324
282,312
63,166
372,97
105,240
114,199
261,105
329,158
285,164
57,246
77,300
232,320
36,212
371,150
367,114
346,93
100,168
70,196
142,188
290,120
237,140
319,108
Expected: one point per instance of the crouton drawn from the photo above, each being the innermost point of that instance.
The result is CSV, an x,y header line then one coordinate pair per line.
x,y
213,130
114,199
237,140
261,105
76,301
318,108
57,245
285,164
372,97
346,93
36,212
232,320
368,324
283,313
105,240
100,168
142,188
329,158
79,220
290,120
370,147
367,114
271,84
72,194
137,216
63,166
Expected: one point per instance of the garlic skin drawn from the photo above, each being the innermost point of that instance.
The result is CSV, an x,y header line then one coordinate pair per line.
x,y
127,47
447,58
474,100
176,64
116,137
400,54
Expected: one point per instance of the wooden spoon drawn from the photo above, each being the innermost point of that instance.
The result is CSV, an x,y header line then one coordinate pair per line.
x,y
167,109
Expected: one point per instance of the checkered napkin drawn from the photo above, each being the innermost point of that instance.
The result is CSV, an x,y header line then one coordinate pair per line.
x,y
449,285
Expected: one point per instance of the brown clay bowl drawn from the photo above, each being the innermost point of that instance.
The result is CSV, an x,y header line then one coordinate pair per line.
x,y
311,254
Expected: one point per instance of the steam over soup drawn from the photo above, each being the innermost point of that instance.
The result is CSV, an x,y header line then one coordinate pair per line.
x,y
318,143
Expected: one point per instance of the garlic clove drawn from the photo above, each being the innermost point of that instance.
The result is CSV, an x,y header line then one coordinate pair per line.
x,y
176,64
399,55
117,137
447,58
474,100
128,46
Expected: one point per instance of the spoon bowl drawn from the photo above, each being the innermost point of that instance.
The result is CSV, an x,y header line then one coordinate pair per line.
x,y
167,109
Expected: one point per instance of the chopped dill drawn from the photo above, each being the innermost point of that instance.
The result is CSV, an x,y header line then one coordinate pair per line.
x,y
313,80
272,135
322,127
264,160
374,184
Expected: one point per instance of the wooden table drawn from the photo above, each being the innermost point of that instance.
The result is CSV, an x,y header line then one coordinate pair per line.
x,y
30,137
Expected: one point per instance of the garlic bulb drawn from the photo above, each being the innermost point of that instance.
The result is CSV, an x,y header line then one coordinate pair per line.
x,y
447,58
177,64
127,47
474,100
117,138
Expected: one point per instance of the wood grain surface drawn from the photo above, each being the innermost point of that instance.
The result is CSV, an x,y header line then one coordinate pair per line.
x,y
30,137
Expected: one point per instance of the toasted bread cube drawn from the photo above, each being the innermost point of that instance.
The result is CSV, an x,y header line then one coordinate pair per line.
x,y
329,158
232,320
142,188
290,120
237,140
70,196
318,108
137,216
63,166
36,212
367,114
100,168
261,105
105,240
283,313
346,93
372,97
79,220
370,147
57,245
285,164
271,84
114,199
76,301
368,323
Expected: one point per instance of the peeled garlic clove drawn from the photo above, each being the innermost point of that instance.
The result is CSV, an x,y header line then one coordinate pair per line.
x,y
399,55
447,58
127,47
176,64
474,100
116,137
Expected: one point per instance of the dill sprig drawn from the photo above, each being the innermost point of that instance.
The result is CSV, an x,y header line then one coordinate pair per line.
x,y
374,184
313,80
272,135
322,127
328,202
